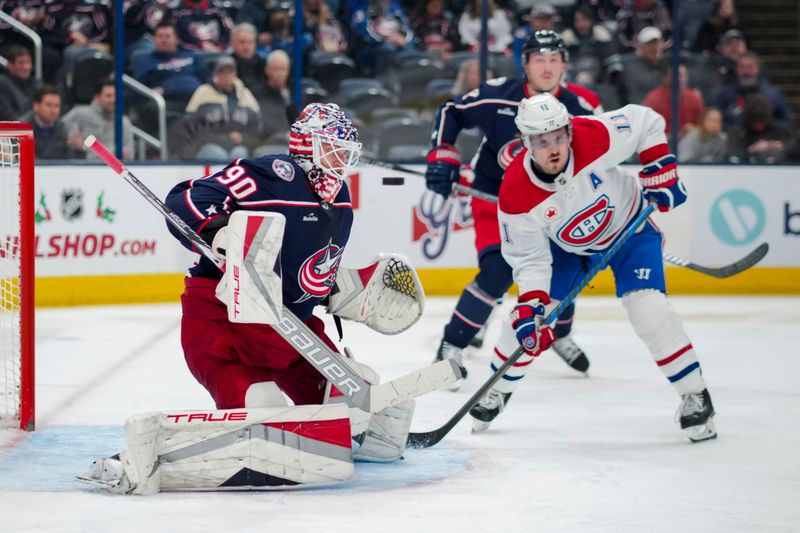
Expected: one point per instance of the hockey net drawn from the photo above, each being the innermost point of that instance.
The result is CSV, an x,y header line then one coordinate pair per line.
x,y
16,276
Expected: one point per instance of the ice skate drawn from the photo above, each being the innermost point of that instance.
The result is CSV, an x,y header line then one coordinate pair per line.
x,y
488,407
448,351
696,416
571,353
108,474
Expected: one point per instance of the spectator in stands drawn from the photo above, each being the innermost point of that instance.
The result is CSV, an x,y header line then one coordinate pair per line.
x,y
228,112
759,138
749,80
722,19
249,65
280,29
142,18
322,27
97,119
382,29
28,12
50,133
603,11
689,100
17,86
173,73
202,27
641,70
636,15
469,77
73,26
257,12
732,47
706,143
434,28
500,28
542,16
274,96
584,38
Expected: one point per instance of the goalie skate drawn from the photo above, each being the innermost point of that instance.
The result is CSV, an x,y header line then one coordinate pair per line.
x,y
448,351
488,407
571,353
696,416
108,474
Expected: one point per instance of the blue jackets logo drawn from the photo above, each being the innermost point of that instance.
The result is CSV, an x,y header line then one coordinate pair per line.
x,y
318,273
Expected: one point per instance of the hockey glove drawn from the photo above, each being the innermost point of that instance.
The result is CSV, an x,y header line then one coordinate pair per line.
x,y
661,185
443,169
526,318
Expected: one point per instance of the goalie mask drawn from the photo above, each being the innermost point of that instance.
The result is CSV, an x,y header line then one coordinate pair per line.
x,y
324,142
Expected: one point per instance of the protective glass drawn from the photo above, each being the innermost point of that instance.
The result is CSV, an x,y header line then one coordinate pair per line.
x,y
335,156
551,139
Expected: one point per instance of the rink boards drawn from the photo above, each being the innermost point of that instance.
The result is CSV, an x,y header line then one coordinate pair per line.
x,y
98,241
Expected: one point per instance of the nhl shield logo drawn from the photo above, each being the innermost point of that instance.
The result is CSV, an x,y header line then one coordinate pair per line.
x,y
71,203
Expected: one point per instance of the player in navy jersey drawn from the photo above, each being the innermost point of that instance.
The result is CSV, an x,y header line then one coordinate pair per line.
x,y
492,108
307,187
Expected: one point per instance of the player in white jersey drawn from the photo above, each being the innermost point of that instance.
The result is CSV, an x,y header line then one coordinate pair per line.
x,y
563,201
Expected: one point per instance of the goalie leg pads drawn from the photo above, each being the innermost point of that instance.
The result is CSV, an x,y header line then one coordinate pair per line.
x,y
236,449
661,329
359,420
386,435
386,296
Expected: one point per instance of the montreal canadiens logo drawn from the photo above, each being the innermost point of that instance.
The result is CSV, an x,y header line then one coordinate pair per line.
x,y
588,225
508,152
318,273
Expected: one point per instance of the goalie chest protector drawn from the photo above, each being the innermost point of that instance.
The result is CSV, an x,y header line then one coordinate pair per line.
x,y
315,235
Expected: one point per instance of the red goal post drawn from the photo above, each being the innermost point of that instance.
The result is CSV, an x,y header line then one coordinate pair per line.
x,y
17,249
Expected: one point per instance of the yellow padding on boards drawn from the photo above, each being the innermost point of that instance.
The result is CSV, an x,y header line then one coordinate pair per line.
x,y
154,288
104,290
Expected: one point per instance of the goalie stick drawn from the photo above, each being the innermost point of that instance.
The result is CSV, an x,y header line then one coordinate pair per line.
x,y
358,393
726,271
429,438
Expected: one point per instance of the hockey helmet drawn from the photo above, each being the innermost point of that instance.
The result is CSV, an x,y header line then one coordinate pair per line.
x,y
325,135
540,114
544,41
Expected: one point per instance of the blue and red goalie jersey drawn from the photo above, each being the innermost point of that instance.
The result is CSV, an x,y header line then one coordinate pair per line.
x,y
315,235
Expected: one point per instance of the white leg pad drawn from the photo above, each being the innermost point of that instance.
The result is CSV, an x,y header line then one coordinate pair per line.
x,y
264,394
387,433
359,419
238,448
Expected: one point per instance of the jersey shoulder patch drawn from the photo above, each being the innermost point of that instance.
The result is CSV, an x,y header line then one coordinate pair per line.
x,y
590,141
518,194
272,167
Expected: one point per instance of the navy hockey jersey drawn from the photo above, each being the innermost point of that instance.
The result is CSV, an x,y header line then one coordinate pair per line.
x,y
492,108
314,238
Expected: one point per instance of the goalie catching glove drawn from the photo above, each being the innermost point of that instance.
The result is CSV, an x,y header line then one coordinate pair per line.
x,y
387,295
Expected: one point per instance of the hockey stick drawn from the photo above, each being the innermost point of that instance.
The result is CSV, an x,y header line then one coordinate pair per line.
x,y
429,438
726,271
358,393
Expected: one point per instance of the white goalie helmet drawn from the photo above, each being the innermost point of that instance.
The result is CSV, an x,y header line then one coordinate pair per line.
x,y
325,134
540,114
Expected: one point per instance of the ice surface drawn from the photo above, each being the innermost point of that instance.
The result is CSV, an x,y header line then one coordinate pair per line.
x,y
569,454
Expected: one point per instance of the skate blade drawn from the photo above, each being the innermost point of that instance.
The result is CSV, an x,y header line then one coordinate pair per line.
x,y
479,426
455,386
702,432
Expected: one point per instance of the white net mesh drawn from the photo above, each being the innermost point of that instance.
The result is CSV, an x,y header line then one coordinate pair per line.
x,y
10,273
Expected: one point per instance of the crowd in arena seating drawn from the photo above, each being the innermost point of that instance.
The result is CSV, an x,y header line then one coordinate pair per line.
x,y
224,70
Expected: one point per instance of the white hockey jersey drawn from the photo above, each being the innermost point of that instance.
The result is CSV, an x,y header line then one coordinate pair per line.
x,y
588,204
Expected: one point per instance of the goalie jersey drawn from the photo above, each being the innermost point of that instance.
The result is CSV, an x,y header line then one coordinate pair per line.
x,y
315,234
492,108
